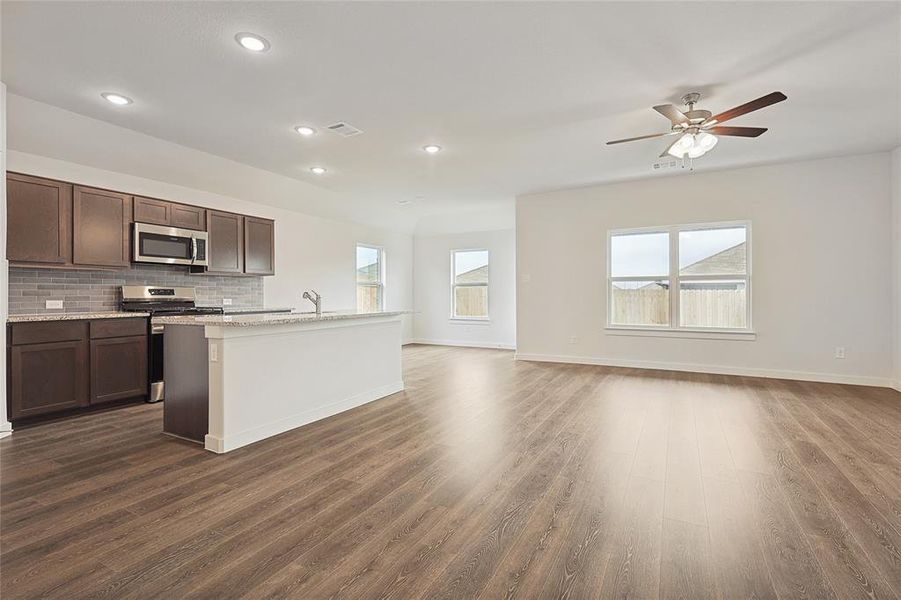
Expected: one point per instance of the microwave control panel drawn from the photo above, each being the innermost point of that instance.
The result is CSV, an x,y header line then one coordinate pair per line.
x,y
201,250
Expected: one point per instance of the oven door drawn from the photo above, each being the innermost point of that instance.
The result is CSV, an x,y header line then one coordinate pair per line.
x,y
169,245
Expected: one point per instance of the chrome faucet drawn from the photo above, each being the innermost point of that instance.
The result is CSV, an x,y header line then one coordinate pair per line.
x,y
314,297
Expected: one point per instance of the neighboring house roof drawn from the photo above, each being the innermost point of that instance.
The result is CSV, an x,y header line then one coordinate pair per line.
x,y
477,275
730,260
368,272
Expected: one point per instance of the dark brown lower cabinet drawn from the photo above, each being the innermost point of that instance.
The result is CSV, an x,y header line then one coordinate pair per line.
x,y
63,365
118,368
46,378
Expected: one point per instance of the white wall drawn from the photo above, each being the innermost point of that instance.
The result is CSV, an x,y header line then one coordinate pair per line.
x,y
821,244
896,220
5,427
432,290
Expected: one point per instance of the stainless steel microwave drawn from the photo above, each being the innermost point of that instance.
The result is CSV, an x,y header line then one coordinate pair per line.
x,y
170,245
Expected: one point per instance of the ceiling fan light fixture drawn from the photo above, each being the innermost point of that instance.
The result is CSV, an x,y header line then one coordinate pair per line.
x,y
695,145
682,146
706,141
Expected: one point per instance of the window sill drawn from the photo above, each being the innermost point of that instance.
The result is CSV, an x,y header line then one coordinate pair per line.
x,y
700,334
470,320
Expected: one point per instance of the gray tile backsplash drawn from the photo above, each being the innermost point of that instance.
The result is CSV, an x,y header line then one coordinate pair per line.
x,y
93,291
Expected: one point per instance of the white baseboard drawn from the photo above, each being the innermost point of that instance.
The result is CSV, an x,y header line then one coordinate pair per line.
x,y
713,369
256,434
896,385
462,344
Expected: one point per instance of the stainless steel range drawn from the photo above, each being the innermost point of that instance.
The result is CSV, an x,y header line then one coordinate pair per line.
x,y
159,301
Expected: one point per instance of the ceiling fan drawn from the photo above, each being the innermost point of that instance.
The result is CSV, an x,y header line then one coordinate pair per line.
x,y
697,129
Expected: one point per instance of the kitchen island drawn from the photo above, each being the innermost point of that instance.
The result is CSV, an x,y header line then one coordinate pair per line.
x,y
232,380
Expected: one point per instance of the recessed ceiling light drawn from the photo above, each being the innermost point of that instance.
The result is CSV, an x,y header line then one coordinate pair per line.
x,y
304,130
252,42
318,170
117,99
432,149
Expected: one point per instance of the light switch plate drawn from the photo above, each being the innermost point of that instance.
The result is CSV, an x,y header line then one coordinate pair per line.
x,y
226,302
54,304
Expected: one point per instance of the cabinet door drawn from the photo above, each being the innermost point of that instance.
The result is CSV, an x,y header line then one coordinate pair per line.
x,y
118,368
148,210
226,251
188,217
259,246
39,220
100,227
47,378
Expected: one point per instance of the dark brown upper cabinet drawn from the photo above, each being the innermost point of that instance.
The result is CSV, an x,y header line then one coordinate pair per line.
x,y
54,224
39,220
100,221
148,210
188,217
160,212
226,251
259,246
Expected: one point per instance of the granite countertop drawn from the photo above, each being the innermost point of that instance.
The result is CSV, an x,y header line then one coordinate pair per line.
x,y
73,316
256,320
234,310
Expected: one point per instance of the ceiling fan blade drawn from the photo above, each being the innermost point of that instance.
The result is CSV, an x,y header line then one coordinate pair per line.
x,y
737,131
641,137
751,106
673,114
666,152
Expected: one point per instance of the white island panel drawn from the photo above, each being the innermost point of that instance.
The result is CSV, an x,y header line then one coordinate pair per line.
x,y
268,379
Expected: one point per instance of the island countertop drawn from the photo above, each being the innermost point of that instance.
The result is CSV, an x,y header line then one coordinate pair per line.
x,y
264,319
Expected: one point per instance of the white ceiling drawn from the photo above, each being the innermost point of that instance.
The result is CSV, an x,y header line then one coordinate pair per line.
x,y
522,96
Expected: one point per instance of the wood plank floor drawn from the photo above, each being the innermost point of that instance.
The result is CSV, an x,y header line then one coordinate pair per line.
x,y
486,478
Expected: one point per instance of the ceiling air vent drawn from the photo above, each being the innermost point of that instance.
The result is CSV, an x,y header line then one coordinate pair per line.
x,y
344,129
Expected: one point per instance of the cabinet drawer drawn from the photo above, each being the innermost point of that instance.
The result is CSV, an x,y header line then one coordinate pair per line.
x,y
47,331
110,328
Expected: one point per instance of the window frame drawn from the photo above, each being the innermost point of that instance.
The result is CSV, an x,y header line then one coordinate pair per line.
x,y
381,282
454,285
675,327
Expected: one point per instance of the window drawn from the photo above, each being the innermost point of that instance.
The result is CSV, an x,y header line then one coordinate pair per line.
x,y
469,284
681,277
370,278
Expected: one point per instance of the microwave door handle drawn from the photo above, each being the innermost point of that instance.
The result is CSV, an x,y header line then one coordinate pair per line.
x,y
193,249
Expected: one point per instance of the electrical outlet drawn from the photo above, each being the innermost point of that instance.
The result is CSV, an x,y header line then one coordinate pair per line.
x,y
839,352
54,304
214,353
573,339
226,302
